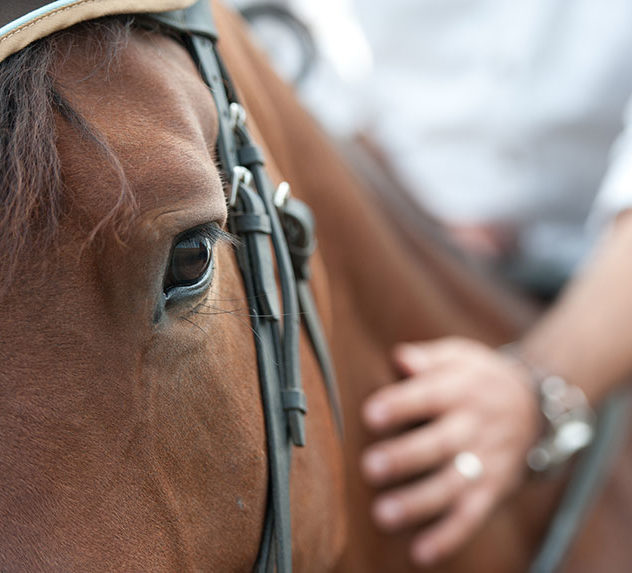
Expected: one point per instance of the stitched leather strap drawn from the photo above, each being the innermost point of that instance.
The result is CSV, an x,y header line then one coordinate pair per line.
x,y
255,261
255,219
299,227
276,327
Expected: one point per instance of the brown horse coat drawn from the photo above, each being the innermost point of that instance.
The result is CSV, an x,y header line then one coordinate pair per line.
x,y
133,434
132,431
381,295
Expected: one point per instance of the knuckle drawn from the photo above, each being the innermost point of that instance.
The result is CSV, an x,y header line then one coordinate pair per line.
x,y
438,445
475,509
448,537
422,501
439,397
463,344
455,343
398,462
443,490
443,443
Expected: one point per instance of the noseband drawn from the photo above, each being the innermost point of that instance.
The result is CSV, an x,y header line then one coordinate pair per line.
x,y
261,216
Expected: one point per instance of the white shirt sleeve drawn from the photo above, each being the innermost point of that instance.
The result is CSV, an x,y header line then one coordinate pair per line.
x,y
615,194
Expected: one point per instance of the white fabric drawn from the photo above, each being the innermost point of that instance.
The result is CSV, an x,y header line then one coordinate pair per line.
x,y
617,186
498,111
342,60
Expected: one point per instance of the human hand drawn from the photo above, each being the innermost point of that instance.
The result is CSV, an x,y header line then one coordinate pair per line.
x,y
488,242
473,399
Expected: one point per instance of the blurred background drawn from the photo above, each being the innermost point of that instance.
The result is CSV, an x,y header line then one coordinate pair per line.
x,y
505,122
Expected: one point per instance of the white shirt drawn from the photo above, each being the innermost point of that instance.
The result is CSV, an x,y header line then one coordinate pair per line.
x,y
499,111
507,111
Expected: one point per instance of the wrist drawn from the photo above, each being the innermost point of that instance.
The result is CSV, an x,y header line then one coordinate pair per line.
x,y
567,420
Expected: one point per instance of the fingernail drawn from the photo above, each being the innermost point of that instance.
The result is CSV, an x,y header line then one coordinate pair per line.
x,y
376,413
388,512
375,464
423,554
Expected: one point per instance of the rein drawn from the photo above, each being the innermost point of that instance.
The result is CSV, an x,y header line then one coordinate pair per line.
x,y
260,215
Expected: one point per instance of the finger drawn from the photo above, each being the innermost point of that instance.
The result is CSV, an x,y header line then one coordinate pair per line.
x,y
419,357
417,450
450,533
412,401
411,359
424,499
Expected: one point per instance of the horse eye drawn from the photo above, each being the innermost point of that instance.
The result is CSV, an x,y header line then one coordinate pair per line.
x,y
190,260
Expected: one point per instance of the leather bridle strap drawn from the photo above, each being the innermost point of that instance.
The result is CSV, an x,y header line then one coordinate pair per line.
x,y
299,227
251,221
276,344
255,219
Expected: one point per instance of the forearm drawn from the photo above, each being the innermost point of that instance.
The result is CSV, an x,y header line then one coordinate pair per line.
x,y
586,336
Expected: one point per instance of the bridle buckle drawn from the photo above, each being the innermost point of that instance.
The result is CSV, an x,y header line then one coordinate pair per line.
x,y
241,176
237,115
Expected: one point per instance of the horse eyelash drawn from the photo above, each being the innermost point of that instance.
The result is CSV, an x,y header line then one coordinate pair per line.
x,y
215,234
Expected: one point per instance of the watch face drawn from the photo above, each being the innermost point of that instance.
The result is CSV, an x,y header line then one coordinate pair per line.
x,y
285,39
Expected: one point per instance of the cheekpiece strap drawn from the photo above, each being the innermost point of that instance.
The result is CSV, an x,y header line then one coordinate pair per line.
x,y
265,218
254,218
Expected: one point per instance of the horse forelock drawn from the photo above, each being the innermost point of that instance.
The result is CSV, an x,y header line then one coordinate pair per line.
x,y
177,468
32,101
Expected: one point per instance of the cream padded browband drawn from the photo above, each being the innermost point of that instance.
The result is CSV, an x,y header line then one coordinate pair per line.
x,y
22,22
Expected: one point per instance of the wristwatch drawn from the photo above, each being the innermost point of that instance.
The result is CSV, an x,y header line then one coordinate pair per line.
x,y
568,419
569,424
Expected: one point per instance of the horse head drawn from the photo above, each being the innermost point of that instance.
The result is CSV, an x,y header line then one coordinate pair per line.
x,y
132,429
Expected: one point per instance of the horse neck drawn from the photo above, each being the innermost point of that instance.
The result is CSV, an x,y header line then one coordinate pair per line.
x,y
402,291
373,289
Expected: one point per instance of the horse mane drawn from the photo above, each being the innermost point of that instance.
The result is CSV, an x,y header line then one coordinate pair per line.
x,y
32,189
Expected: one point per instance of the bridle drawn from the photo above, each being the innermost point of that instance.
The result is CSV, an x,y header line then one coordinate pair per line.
x,y
260,215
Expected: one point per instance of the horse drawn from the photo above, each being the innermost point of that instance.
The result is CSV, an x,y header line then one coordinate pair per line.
x,y
133,437
387,288
133,433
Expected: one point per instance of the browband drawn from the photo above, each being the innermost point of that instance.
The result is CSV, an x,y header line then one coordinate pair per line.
x,y
22,22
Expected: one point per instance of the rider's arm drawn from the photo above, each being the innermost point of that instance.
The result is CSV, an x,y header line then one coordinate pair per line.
x,y
587,336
